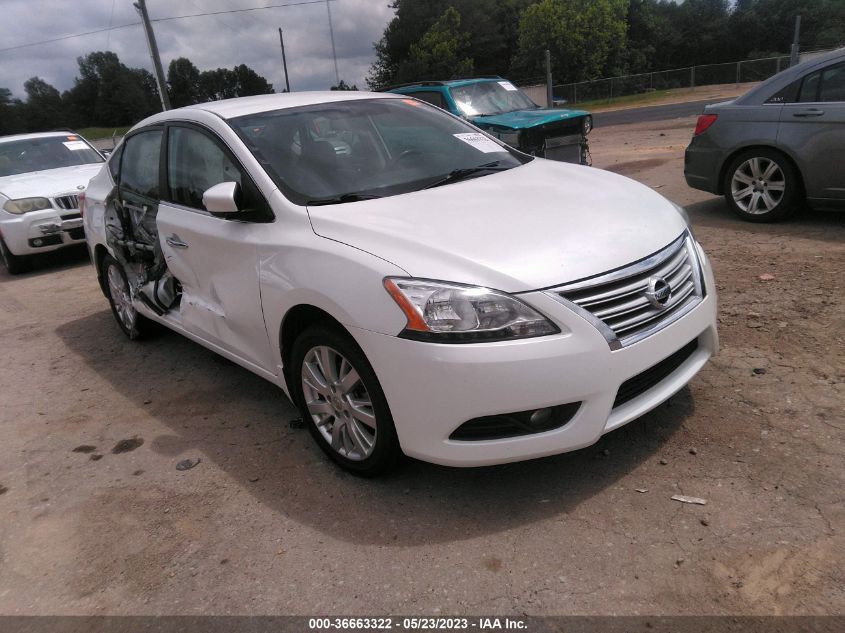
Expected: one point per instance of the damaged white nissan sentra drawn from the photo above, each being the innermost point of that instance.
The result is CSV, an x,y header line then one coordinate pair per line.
x,y
413,284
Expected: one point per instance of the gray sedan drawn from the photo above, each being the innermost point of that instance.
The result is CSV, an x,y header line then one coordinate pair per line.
x,y
778,145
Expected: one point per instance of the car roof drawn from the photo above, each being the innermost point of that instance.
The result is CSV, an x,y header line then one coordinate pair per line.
x,y
451,83
772,85
24,137
240,106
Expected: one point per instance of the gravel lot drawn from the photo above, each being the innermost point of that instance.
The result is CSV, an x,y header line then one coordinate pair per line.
x,y
92,524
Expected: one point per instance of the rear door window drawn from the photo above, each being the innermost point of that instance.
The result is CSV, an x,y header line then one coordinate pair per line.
x,y
809,88
832,87
826,85
139,172
114,163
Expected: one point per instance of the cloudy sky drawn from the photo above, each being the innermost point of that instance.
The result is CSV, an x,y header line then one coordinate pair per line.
x,y
250,38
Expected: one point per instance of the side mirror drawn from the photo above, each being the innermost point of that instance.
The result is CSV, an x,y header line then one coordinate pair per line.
x,y
105,152
221,198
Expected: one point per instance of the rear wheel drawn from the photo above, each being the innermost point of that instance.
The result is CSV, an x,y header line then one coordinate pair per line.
x,y
342,402
762,186
133,325
15,264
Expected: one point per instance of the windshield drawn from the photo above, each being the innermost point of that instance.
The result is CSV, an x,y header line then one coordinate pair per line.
x,y
490,97
39,154
365,148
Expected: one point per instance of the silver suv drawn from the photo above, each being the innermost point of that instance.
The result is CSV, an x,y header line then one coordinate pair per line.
x,y
778,145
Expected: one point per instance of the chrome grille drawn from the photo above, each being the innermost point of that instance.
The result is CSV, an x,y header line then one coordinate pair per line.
x,y
70,201
618,302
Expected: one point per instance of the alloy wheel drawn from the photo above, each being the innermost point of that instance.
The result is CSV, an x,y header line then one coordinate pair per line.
x,y
758,185
340,405
119,292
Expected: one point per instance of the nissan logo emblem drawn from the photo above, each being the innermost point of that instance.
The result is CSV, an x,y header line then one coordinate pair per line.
x,y
658,292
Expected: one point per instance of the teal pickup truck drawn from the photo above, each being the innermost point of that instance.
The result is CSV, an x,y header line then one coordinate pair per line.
x,y
503,110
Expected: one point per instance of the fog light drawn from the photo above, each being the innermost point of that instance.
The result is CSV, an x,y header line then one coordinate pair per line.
x,y
37,242
494,427
540,417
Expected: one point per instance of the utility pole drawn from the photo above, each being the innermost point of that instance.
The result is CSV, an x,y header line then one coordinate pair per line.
x,y
331,34
284,59
141,6
549,96
793,54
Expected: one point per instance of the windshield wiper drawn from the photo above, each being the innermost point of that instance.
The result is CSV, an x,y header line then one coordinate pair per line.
x,y
341,199
462,174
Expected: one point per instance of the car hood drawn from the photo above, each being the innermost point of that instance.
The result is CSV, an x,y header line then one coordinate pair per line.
x,y
540,225
523,119
48,183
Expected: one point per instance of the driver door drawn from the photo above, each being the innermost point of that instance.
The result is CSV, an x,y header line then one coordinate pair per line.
x,y
215,258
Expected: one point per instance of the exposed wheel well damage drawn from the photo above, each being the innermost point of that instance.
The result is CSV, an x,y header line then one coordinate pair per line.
x,y
100,253
297,320
723,172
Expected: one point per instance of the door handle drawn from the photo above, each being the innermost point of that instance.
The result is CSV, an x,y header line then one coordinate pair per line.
x,y
808,113
175,242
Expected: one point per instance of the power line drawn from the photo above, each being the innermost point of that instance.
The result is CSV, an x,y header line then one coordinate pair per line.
x,y
269,6
68,37
234,29
175,17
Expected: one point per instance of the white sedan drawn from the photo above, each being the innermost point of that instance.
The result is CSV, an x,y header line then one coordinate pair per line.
x,y
413,284
41,177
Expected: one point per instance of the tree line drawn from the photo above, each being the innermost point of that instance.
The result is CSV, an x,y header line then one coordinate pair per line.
x,y
590,39
107,93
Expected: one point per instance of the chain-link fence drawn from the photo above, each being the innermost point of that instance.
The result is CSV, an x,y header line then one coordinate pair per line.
x,y
695,76
746,71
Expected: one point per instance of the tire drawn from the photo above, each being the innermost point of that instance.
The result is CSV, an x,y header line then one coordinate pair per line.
x,y
135,326
354,426
761,185
15,264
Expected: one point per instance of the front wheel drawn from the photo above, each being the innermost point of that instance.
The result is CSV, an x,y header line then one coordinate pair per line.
x,y
15,264
342,402
133,325
762,186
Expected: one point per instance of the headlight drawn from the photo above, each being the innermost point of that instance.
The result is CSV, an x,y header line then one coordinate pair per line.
x,y
453,313
25,205
587,124
510,138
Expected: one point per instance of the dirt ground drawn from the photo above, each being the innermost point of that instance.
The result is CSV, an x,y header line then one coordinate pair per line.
x,y
92,524
717,92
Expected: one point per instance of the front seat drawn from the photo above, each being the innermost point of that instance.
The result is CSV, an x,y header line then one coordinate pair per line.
x,y
319,160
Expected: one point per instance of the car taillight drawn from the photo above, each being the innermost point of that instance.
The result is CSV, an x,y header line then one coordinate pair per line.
x,y
81,198
704,122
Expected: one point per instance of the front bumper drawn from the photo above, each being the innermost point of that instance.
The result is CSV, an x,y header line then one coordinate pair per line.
x,y
41,231
432,388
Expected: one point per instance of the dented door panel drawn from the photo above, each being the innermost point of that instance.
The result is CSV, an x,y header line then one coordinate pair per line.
x,y
216,263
